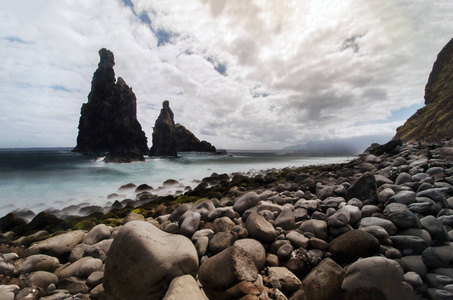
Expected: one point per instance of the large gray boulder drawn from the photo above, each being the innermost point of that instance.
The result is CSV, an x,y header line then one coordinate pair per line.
x,y
227,268
59,245
149,258
378,277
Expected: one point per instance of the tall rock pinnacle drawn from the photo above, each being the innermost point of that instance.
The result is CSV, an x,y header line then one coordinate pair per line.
x,y
108,121
164,136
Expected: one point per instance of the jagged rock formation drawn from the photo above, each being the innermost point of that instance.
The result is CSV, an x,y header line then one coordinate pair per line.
x,y
187,141
108,121
434,121
164,136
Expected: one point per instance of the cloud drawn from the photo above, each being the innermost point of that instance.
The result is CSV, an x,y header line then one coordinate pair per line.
x,y
240,74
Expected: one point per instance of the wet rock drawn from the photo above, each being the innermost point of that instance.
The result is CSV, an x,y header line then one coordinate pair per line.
x,y
436,257
139,247
409,244
404,219
435,228
403,197
414,263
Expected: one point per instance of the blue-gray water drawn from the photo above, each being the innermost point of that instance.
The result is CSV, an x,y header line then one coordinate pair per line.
x,y
54,178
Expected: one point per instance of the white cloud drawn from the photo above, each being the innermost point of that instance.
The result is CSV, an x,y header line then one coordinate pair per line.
x,y
291,70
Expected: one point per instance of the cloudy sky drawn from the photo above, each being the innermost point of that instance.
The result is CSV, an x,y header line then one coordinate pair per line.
x,y
261,74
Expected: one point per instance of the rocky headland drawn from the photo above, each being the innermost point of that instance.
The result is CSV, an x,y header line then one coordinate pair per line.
x,y
377,227
187,141
108,121
433,122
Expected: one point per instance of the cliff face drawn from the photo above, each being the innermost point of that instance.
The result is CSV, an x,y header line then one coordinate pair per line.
x,y
164,136
187,141
108,121
434,121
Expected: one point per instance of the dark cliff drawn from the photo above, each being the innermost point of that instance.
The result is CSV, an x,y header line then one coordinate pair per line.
x,y
187,141
164,136
108,121
434,121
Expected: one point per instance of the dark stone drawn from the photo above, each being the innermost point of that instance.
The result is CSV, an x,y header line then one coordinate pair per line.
x,y
390,148
164,135
10,221
45,221
363,189
352,245
187,141
108,121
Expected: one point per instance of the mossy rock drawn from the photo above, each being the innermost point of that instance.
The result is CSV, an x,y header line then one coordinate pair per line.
x,y
96,214
112,222
109,215
186,199
84,225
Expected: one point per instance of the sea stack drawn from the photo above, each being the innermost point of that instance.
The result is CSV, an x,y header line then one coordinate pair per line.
x,y
434,121
164,136
108,121
187,141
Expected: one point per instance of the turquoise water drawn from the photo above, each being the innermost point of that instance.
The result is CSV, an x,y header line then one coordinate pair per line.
x,y
40,179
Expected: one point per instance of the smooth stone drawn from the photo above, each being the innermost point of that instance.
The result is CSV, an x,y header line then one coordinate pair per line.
x,y
222,212
78,252
7,296
184,287
439,294
95,278
255,249
374,221
209,233
272,260
140,247
73,285
403,177
413,245
324,280
435,228
201,245
179,211
363,189
444,271
227,268
285,280
376,276
437,280
43,279
267,205
421,233
11,288
437,257
286,219
97,292
39,262
394,207
71,269
403,197
385,195
28,293
339,219
222,224
318,227
413,279
354,212
259,228
318,244
378,232
284,252
246,201
369,210
220,241
89,266
414,263
190,224
434,194
405,219
298,239
353,244
59,245
96,234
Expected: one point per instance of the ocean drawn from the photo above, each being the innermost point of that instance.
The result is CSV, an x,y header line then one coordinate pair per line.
x,y
56,178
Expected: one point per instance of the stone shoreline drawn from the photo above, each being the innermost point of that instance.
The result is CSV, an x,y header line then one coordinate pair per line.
x,y
377,227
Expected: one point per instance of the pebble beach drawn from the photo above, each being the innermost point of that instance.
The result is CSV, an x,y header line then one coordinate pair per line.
x,y
377,227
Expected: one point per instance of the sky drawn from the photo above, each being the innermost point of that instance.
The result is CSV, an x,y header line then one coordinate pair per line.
x,y
258,74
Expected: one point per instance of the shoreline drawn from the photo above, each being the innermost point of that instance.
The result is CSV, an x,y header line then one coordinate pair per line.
x,y
390,209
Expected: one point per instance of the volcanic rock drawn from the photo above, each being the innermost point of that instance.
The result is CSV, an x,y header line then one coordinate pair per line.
x,y
108,121
164,134
187,141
